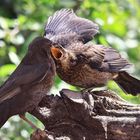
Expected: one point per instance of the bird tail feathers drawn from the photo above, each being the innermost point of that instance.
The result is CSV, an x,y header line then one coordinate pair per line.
x,y
128,83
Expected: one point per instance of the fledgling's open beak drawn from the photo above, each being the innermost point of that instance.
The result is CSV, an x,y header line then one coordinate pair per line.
x,y
57,52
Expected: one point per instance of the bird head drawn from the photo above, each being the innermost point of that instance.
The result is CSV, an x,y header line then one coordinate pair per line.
x,y
66,58
40,45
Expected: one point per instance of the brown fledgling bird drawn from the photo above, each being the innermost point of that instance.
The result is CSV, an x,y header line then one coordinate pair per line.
x,y
82,63
29,83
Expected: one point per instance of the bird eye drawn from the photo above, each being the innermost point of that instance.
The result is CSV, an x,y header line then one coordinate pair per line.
x,y
73,62
80,57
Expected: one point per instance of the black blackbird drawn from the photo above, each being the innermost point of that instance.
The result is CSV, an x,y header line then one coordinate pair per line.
x,y
82,63
29,83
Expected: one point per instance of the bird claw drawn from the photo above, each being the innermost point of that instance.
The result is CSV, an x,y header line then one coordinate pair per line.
x,y
87,90
39,135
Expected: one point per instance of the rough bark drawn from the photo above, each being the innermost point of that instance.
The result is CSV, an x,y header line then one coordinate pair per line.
x,y
87,116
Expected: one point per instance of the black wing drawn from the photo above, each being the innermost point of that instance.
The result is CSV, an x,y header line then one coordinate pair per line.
x,y
23,75
107,59
65,22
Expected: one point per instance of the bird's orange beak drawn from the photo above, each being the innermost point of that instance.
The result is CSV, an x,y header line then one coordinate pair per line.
x,y
56,53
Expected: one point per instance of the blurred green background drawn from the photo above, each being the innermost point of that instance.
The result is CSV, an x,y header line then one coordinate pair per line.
x,y
23,20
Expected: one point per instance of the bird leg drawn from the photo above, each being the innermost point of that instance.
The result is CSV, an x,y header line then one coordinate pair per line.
x,y
28,121
86,90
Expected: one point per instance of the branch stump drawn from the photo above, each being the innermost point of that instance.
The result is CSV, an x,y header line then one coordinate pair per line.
x,y
96,115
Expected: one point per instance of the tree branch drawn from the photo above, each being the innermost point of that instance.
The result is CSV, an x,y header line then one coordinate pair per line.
x,y
89,116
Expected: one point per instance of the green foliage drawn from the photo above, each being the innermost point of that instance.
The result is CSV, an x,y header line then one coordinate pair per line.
x,y
22,20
